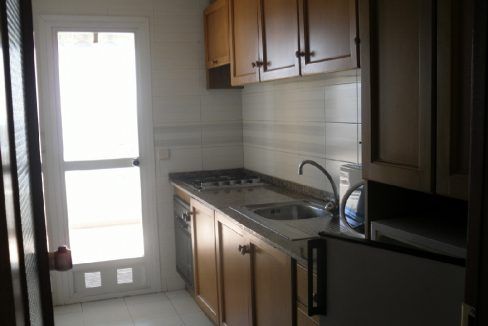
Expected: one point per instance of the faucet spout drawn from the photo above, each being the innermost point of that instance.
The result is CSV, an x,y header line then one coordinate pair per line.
x,y
328,176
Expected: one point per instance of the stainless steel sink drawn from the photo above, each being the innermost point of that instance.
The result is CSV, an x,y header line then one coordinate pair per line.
x,y
289,211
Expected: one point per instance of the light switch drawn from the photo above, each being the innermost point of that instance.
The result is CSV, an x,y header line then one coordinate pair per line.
x,y
164,154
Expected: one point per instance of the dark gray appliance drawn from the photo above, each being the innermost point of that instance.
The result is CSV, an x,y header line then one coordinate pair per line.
x,y
184,260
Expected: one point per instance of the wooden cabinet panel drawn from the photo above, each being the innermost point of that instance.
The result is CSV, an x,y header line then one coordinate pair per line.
x,y
272,285
396,59
302,296
244,41
204,260
453,98
234,274
279,39
328,35
304,320
217,34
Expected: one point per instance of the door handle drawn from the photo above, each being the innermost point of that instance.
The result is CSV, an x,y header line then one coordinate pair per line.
x,y
317,300
60,260
244,249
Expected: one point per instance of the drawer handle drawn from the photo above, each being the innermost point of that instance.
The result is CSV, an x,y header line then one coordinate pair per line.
x,y
244,249
317,300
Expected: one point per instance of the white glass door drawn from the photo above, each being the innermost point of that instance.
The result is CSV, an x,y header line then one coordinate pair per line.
x,y
102,200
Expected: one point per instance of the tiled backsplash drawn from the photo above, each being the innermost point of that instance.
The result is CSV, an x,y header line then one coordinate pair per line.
x,y
317,118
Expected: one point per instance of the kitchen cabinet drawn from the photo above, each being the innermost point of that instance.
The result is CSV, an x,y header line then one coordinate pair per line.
x,y
255,279
278,27
271,272
396,59
302,298
329,39
204,259
370,285
273,39
244,41
234,273
453,98
217,34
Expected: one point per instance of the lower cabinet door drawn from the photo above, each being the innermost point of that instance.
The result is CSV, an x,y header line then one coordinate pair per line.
x,y
234,274
272,285
204,260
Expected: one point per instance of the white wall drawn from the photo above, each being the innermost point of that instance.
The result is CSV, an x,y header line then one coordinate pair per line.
x,y
201,128
315,118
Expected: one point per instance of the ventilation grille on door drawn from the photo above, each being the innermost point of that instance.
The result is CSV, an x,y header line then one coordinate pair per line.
x,y
124,276
93,280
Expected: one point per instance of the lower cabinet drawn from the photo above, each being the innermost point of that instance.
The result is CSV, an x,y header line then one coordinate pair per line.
x,y
234,273
204,259
255,279
302,298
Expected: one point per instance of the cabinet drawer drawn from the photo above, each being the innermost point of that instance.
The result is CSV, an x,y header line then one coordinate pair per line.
x,y
302,295
302,285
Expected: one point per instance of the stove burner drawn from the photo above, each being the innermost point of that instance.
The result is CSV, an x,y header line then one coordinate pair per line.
x,y
225,181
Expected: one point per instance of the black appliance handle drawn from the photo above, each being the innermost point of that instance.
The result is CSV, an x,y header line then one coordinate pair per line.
x,y
317,302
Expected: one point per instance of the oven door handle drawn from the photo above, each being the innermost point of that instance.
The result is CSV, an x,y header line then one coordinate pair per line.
x,y
317,301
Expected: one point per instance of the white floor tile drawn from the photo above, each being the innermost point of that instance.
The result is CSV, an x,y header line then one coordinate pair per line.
x,y
150,309
67,309
161,321
106,312
68,319
185,305
196,319
179,293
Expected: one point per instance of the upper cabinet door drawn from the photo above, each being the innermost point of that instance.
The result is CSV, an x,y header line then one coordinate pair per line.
x,y
217,34
244,41
396,60
328,35
279,39
453,97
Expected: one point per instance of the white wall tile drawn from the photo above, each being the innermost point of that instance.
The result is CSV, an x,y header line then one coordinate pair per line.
x,y
341,103
341,141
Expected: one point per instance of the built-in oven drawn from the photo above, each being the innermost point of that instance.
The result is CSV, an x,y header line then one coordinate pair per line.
x,y
184,257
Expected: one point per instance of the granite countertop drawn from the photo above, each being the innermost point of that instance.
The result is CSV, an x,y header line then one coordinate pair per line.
x,y
224,200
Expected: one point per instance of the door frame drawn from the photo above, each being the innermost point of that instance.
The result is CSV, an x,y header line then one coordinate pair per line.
x,y
50,121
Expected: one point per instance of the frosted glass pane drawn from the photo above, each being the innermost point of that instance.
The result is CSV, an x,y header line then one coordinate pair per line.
x,y
104,214
98,94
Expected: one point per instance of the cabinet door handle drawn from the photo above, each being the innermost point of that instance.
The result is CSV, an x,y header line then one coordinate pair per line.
x,y
215,61
244,249
317,300
253,64
299,54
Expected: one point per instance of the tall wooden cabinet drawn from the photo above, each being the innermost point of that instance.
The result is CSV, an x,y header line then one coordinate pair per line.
x,y
328,35
416,94
453,98
204,259
397,56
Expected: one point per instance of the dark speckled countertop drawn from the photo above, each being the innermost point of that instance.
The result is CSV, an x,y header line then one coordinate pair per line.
x,y
224,200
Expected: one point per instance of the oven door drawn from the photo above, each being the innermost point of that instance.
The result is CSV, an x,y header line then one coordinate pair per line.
x,y
184,260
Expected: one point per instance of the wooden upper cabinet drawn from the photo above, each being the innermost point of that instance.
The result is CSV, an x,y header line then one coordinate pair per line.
x,y
244,41
453,98
204,259
396,59
234,273
328,35
278,39
217,34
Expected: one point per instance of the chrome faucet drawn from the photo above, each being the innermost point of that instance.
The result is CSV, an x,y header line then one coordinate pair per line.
x,y
330,206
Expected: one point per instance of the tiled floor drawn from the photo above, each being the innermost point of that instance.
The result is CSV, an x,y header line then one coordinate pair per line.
x,y
162,309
